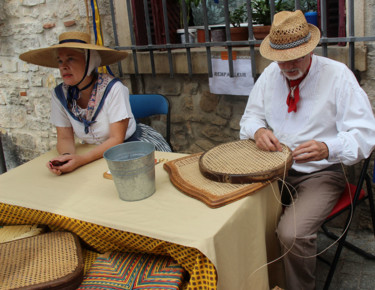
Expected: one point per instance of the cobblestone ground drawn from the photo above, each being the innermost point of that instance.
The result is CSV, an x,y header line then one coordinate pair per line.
x,y
353,271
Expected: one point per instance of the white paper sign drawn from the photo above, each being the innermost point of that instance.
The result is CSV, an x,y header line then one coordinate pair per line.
x,y
240,84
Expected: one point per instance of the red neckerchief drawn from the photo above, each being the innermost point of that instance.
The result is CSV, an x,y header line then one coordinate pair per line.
x,y
293,96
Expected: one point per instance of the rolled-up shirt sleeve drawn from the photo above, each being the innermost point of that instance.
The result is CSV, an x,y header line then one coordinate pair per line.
x,y
355,125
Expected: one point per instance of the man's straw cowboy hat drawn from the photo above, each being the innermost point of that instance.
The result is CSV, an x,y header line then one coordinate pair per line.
x,y
75,39
290,37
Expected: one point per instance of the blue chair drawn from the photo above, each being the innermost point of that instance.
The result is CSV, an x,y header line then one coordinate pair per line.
x,y
152,104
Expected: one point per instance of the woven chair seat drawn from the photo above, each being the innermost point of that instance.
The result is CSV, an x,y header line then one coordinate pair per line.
x,y
243,162
185,175
15,232
115,270
46,261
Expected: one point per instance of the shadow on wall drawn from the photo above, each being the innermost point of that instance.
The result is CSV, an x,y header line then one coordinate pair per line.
x,y
10,153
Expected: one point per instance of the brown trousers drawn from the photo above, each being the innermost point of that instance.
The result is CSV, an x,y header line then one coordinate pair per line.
x,y
315,195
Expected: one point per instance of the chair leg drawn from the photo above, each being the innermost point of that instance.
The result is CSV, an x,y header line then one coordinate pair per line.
x,y
348,245
371,201
334,262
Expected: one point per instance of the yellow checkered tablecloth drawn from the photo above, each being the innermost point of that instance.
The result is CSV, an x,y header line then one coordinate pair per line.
x,y
103,239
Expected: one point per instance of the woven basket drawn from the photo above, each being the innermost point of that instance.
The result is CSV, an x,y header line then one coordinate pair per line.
x,y
47,261
243,162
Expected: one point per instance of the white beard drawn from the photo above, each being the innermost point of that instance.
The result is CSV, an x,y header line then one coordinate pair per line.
x,y
299,75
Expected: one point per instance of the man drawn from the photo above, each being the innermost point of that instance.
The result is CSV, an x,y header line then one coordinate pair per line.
x,y
316,107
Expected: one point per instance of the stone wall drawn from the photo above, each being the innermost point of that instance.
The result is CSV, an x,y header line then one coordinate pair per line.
x,y
200,119
24,88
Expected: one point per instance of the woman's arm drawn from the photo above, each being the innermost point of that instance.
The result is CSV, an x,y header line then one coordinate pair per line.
x,y
65,140
65,146
117,133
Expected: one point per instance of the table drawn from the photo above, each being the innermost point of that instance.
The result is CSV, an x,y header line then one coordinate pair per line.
x,y
235,240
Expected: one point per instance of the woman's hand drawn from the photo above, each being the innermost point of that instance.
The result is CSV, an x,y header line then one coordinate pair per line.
x,y
310,151
65,163
266,140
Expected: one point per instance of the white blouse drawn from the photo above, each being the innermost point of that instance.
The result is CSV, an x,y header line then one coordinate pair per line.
x,y
116,108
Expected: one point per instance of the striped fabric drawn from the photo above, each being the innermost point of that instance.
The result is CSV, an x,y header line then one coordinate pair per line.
x,y
148,134
115,270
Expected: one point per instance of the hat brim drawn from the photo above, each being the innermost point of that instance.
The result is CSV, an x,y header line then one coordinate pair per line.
x,y
47,56
292,53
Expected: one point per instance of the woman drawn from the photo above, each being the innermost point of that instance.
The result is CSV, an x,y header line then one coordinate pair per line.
x,y
94,107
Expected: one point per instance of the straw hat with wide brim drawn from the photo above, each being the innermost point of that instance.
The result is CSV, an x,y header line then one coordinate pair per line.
x,y
75,39
290,37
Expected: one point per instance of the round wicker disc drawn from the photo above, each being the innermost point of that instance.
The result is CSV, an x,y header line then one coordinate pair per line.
x,y
242,162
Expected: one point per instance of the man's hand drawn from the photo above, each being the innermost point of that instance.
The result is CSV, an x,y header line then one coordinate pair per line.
x,y
266,140
310,151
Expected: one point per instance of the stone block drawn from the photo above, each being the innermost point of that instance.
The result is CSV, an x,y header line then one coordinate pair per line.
x,y
69,23
49,25
187,104
216,133
8,65
217,120
164,86
50,82
12,117
42,108
204,144
27,67
208,102
26,140
234,122
13,80
190,88
31,3
224,110
36,81
176,117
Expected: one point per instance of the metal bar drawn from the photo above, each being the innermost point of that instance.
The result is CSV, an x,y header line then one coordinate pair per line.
x,y
149,37
348,39
228,38
351,33
297,5
323,13
115,33
272,8
251,42
207,38
242,42
132,37
167,38
251,37
187,38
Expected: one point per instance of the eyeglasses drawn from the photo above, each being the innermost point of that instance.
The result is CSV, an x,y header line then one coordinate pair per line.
x,y
297,60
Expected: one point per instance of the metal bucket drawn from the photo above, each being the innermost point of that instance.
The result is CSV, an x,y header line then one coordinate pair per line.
x,y
132,165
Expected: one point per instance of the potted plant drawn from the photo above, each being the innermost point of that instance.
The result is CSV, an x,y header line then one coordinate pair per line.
x,y
188,10
236,17
191,31
262,15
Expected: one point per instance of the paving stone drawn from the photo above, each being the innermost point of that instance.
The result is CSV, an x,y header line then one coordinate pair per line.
x,y
353,272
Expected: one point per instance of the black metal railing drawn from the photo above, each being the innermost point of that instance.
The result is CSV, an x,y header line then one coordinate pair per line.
x,y
228,43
